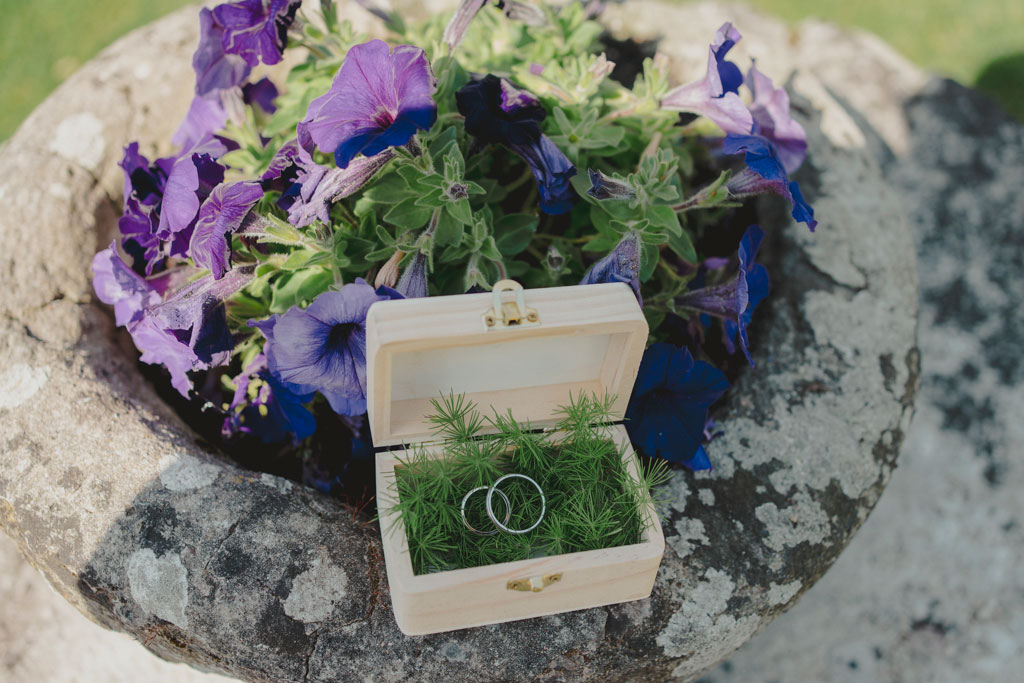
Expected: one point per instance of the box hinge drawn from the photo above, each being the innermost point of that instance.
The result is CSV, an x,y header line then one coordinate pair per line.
x,y
534,584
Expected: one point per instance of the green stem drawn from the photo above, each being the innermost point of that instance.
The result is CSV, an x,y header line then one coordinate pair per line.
x,y
570,240
518,182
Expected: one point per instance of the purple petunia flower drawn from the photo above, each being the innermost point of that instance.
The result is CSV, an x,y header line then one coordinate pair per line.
x,y
714,96
262,93
319,186
185,330
206,116
323,347
731,300
263,407
765,173
121,287
191,180
221,215
256,30
143,195
622,264
215,69
378,99
770,110
498,113
669,407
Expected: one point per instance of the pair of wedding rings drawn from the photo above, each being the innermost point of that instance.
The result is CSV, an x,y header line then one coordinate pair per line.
x,y
493,490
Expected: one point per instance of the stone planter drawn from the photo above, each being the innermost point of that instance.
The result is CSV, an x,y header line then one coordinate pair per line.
x,y
149,531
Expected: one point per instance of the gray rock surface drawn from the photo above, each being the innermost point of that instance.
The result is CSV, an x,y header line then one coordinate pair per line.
x,y
150,532
931,589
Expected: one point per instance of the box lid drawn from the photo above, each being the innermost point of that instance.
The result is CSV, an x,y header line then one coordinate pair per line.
x,y
511,349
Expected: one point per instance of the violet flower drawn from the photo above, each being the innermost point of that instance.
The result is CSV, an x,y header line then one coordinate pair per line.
x,y
262,93
256,30
622,264
183,331
323,347
413,283
378,99
121,287
206,115
770,110
498,113
263,407
733,301
191,180
765,173
714,96
460,21
143,195
605,187
215,69
319,186
221,215
669,407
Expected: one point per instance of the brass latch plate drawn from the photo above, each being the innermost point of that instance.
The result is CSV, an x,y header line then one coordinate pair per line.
x,y
534,584
509,313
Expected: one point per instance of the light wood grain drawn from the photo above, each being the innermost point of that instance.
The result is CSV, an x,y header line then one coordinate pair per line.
x,y
477,596
590,338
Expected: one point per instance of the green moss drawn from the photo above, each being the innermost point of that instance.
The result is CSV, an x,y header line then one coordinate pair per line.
x,y
592,500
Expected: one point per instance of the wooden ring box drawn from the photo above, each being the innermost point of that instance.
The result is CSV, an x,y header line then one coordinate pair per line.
x,y
527,351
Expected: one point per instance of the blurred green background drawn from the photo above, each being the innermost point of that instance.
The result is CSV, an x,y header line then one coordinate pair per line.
x,y
979,43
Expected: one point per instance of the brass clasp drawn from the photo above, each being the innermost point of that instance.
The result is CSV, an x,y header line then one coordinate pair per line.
x,y
509,313
534,584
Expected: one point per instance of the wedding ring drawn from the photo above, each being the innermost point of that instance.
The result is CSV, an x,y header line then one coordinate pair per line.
x,y
508,511
494,489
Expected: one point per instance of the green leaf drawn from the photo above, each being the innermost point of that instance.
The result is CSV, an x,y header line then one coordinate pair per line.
x,y
384,236
514,232
683,247
299,287
408,214
460,211
298,259
649,262
449,230
390,189
663,218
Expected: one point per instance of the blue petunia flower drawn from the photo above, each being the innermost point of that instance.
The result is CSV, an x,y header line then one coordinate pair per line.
x,y
715,96
765,173
256,30
733,301
603,187
669,407
772,120
498,113
264,407
758,286
621,264
378,99
323,347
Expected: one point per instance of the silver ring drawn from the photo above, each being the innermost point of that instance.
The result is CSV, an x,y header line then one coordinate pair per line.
x,y
508,511
490,510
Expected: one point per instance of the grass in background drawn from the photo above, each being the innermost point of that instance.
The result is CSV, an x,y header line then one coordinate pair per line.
x,y
42,42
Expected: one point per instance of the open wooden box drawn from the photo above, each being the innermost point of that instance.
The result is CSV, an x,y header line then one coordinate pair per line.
x,y
527,351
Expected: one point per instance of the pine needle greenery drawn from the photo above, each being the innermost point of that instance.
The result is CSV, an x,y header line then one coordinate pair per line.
x,y
593,501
